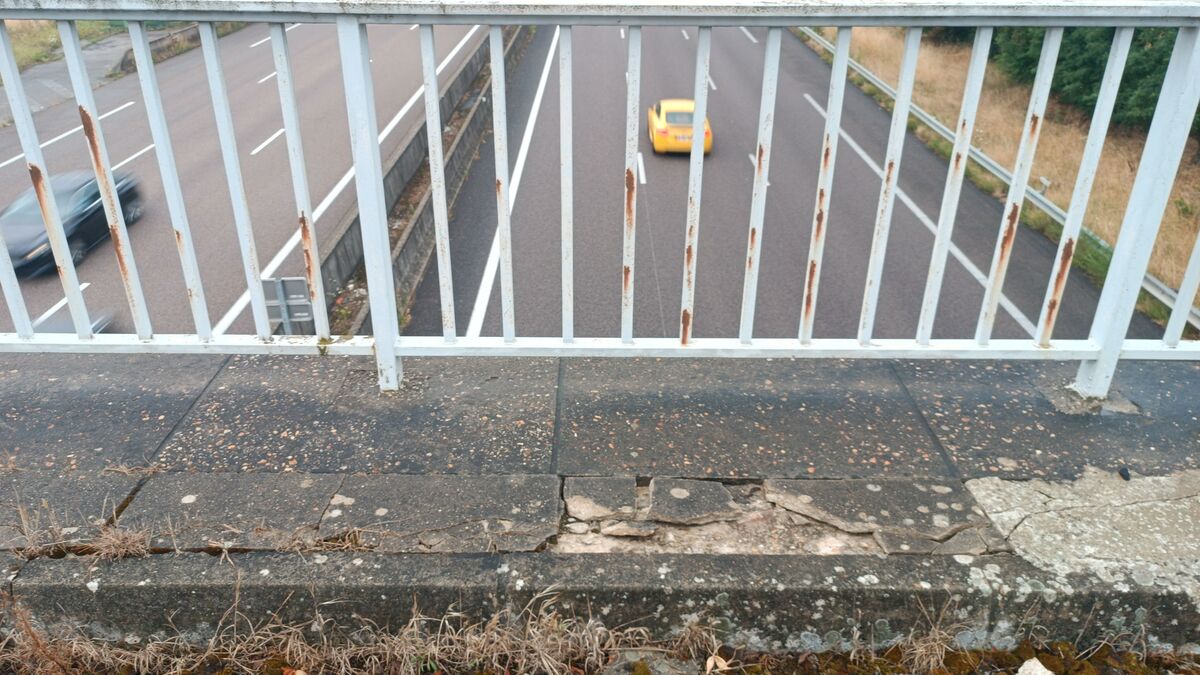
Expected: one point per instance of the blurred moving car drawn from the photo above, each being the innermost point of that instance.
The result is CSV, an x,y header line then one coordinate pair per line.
x,y
83,219
670,126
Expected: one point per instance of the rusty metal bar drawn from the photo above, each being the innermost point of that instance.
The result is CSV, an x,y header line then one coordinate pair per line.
x,y
372,209
891,177
503,215
169,173
1165,141
63,251
762,165
437,179
1020,183
233,174
565,162
1101,116
833,124
102,166
695,184
633,79
304,215
976,69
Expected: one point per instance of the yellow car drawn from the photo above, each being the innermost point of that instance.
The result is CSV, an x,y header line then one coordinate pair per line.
x,y
670,126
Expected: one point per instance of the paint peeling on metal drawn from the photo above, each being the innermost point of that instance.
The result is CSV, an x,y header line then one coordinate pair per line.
x,y
808,289
310,263
1060,283
685,325
630,191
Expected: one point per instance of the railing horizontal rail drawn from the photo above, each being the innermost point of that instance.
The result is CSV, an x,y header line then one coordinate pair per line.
x,y
777,13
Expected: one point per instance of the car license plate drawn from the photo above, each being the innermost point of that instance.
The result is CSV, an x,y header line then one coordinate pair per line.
x,y
683,138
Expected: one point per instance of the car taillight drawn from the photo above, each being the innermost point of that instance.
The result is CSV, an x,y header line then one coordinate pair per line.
x,y
662,132
707,133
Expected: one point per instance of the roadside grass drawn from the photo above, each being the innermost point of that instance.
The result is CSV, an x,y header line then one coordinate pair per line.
x,y
36,41
941,76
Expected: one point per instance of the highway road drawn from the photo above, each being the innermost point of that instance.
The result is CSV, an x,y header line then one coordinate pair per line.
x,y
249,69
668,64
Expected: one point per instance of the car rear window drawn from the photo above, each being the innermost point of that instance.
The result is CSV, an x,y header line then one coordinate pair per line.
x,y
679,118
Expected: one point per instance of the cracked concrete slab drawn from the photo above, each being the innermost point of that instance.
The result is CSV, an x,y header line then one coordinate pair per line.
x,y
600,498
257,511
1136,532
40,508
906,516
445,514
690,502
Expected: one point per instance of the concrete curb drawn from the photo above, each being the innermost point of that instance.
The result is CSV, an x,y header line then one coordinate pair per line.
x,y
176,42
797,603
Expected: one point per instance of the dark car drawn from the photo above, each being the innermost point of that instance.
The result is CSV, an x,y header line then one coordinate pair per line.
x,y
84,223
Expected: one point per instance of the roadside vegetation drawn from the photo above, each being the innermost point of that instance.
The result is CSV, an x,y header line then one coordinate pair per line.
x,y
37,41
941,76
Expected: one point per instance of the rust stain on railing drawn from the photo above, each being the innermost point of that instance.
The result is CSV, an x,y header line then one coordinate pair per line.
x,y
1060,283
753,240
310,261
107,192
808,290
630,191
685,326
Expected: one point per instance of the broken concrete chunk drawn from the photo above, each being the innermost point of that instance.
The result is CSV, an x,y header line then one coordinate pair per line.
x,y
1034,667
578,527
628,528
690,502
600,498
967,542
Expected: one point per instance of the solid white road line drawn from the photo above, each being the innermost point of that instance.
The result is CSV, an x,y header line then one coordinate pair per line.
x,y
961,257
755,164
56,306
67,133
622,33
475,326
265,143
132,157
267,77
240,304
712,85
749,34
413,27
685,34
641,170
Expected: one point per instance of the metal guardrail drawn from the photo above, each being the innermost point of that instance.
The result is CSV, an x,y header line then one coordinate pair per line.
x,y
1151,284
1099,353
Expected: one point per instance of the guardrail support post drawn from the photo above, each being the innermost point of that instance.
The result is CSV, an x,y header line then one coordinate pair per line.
x,y
1173,116
368,181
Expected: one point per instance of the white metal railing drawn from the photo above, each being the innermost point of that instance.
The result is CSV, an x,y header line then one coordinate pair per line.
x,y
1099,353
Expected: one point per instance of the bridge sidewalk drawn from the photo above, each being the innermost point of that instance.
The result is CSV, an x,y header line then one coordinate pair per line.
x,y
801,503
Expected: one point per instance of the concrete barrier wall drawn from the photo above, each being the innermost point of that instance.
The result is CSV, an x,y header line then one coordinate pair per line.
x,y
343,255
176,42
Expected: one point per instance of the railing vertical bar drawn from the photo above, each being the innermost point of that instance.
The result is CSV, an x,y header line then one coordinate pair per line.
x,y
1187,295
233,175
633,79
833,125
691,250
1165,142
98,152
566,178
172,190
758,199
13,298
437,179
1097,132
503,214
36,163
285,81
976,69
368,185
891,177
1038,99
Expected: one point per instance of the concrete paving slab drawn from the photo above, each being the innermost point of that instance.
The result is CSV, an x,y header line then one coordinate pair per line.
x,y
315,414
136,599
42,509
932,510
1009,419
740,418
600,498
445,514
190,511
66,412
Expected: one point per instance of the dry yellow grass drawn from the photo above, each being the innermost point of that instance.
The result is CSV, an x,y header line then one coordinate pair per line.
x,y
37,41
941,76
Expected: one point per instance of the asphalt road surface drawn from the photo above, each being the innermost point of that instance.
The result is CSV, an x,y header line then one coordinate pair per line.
x,y
249,68
668,64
